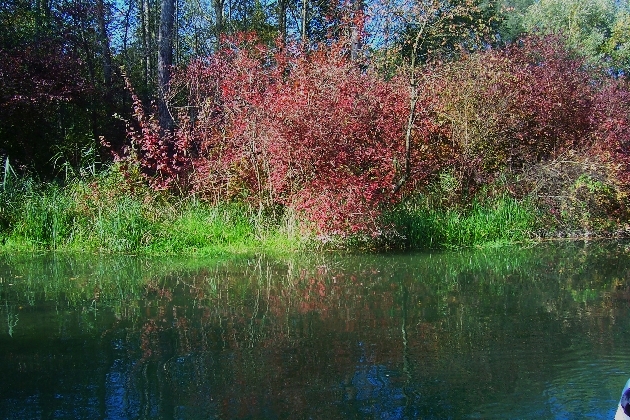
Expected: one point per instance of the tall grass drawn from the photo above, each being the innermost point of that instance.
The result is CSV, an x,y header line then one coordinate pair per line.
x,y
39,214
490,222
45,217
107,213
101,215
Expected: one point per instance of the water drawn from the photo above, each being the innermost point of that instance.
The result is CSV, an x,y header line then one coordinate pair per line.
x,y
510,333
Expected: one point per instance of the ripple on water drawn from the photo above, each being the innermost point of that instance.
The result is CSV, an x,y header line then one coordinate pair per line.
x,y
582,386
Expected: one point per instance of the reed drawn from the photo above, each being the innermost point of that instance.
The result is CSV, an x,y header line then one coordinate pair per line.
x,y
106,213
97,215
489,222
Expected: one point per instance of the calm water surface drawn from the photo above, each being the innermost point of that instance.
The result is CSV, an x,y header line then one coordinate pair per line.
x,y
538,333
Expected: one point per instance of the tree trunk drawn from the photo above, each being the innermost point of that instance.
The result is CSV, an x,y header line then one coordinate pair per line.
x,y
218,14
165,60
304,22
282,19
355,36
413,102
104,44
146,42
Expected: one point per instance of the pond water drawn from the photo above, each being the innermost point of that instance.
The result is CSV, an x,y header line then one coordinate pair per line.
x,y
508,333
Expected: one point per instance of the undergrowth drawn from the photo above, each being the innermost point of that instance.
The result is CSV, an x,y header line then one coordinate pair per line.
x,y
109,213
491,222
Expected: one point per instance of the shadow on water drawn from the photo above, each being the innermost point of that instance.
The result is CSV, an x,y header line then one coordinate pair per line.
x,y
507,333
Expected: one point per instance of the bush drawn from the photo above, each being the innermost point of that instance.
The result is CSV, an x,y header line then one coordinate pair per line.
x,y
612,127
311,132
515,107
319,136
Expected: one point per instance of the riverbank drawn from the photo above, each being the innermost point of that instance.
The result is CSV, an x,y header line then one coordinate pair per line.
x,y
108,213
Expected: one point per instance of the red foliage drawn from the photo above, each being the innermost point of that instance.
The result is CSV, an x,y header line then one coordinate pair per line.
x,y
551,99
312,132
37,74
37,80
315,133
612,127
161,156
507,108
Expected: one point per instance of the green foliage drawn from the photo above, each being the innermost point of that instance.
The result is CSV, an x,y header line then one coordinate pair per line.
x,y
197,226
7,194
597,29
617,46
110,214
122,227
254,19
100,216
512,12
483,222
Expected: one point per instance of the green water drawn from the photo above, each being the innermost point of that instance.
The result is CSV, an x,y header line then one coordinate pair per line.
x,y
510,333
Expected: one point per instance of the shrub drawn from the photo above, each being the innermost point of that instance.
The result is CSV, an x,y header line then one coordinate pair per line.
x,y
317,135
312,132
508,108
611,119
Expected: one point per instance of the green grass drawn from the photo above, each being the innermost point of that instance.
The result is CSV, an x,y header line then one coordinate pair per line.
x,y
492,222
99,216
110,214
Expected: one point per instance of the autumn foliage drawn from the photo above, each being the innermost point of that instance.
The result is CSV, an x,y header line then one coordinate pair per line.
x,y
612,127
316,133
310,132
511,108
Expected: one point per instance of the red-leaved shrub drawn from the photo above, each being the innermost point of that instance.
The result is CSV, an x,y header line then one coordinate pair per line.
x,y
310,131
611,119
508,108
162,157
316,133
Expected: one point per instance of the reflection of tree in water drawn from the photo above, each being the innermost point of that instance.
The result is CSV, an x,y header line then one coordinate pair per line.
x,y
337,337
374,393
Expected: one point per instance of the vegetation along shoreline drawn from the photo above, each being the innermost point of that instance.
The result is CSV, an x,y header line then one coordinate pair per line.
x,y
362,125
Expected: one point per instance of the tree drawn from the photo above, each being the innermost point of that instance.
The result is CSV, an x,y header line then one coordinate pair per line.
x,y
432,29
218,6
103,38
165,60
356,28
282,9
617,47
54,69
512,12
437,30
586,24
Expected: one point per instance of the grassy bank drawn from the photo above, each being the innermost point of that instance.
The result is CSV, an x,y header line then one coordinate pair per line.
x,y
111,214
108,214
491,222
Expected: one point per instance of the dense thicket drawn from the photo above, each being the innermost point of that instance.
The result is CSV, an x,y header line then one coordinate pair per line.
x,y
332,111
315,133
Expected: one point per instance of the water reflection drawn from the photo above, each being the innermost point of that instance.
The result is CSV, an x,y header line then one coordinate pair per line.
x,y
533,333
